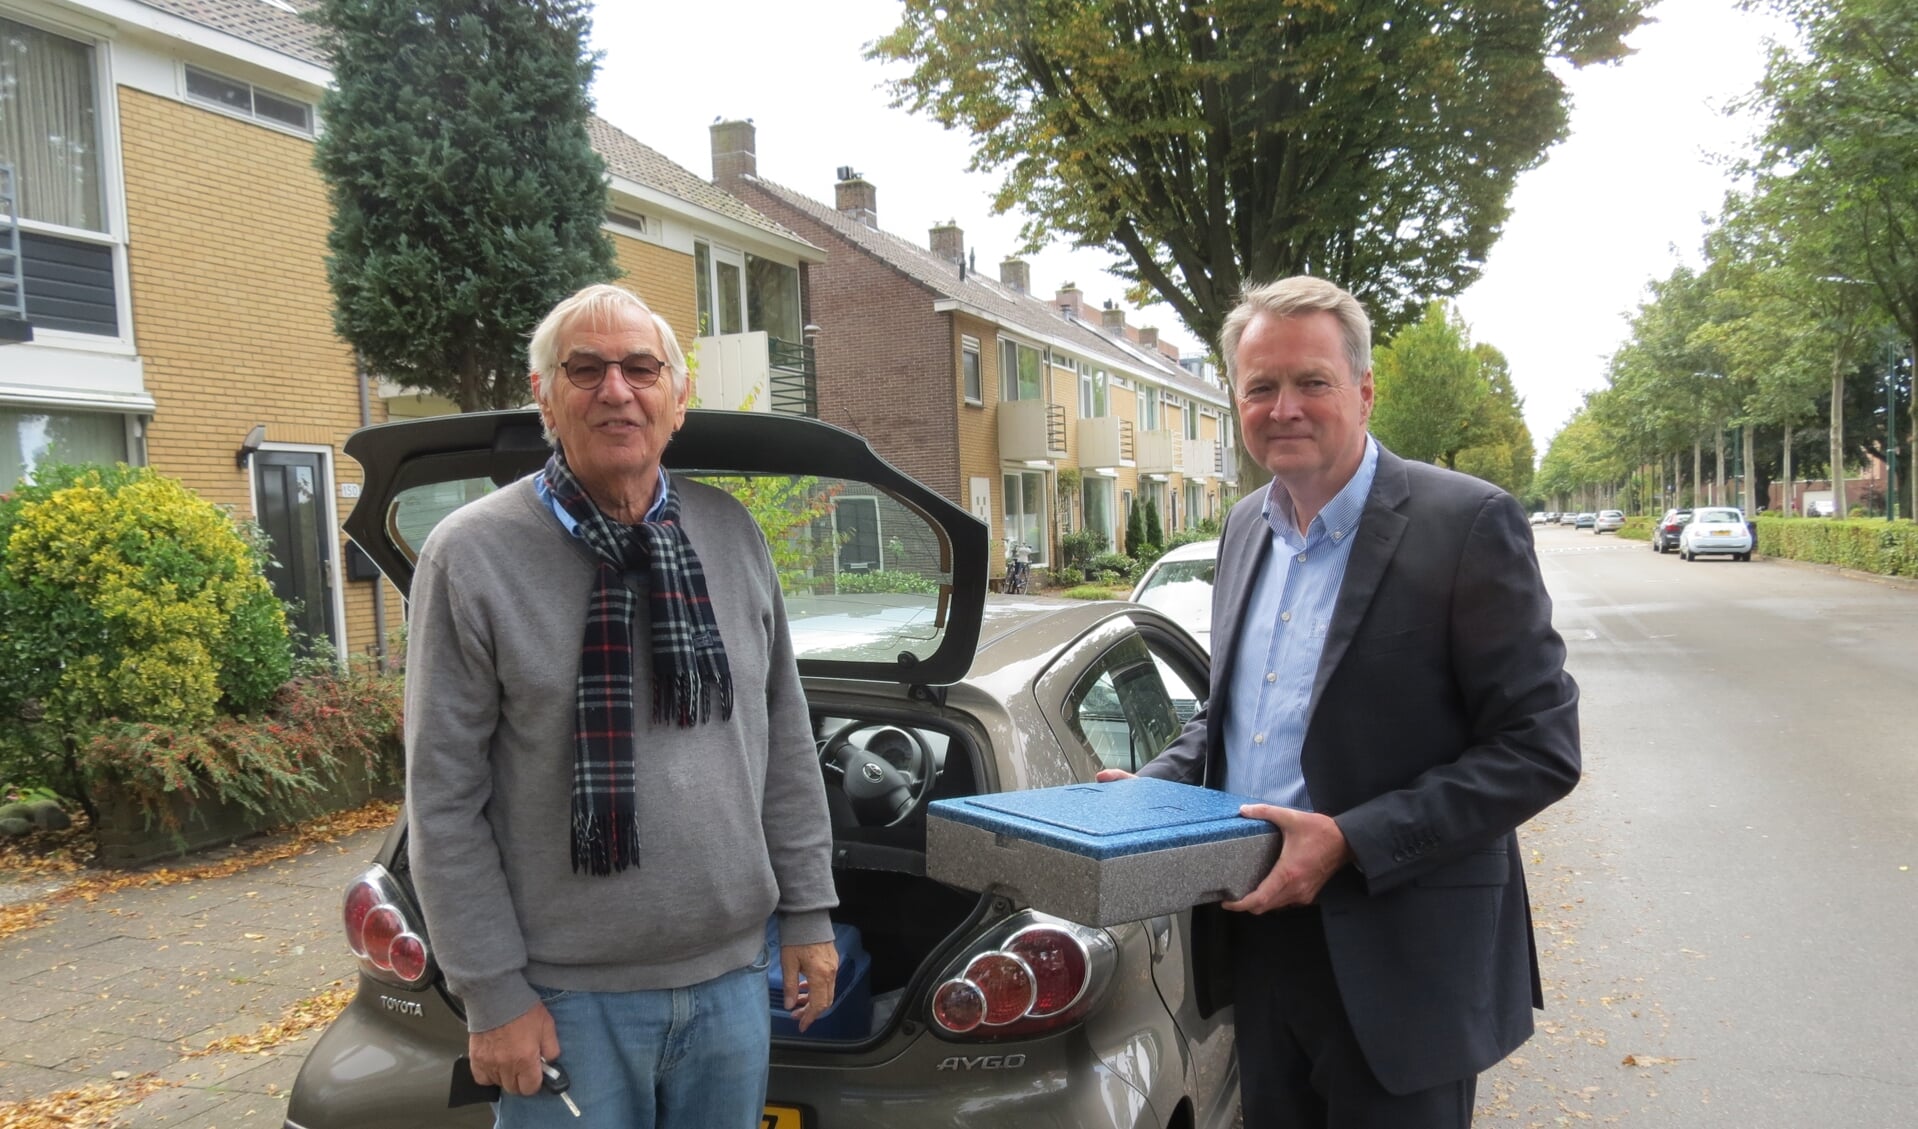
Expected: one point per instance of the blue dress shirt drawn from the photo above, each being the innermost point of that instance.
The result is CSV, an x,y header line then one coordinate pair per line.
x,y
572,527
1276,656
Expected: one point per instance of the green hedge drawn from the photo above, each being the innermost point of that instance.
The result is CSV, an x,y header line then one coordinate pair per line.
x,y
1638,528
1868,545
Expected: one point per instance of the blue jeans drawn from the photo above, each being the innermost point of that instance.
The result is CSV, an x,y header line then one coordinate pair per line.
x,y
675,1058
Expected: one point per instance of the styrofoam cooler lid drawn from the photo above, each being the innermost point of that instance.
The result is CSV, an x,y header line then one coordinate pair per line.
x,y
1107,820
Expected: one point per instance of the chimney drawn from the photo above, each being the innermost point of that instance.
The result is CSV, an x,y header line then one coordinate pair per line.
x,y
1071,300
1113,318
1168,350
948,242
1016,274
733,151
856,197
1149,337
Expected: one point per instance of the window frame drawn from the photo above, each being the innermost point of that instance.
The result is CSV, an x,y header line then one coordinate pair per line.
x,y
252,113
1010,351
972,382
113,192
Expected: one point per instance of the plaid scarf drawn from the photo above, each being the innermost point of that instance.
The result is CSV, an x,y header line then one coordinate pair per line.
x,y
689,664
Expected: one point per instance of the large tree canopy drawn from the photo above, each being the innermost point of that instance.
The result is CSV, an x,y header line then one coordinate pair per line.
x,y
467,199
1371,142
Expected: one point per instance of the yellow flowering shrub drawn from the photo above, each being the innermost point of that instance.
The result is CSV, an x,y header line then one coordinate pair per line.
x,y
125,596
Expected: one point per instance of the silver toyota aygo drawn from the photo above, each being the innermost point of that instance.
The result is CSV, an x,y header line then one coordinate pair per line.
x,y
953,1008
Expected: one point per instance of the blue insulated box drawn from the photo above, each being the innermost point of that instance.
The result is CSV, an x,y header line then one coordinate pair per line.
x,y
850,1016
1101,854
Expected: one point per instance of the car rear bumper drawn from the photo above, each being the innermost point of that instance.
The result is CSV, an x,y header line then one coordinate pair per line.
x,y
1714,546
1044,1082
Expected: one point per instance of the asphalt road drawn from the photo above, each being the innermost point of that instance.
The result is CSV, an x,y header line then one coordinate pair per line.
x,y
1727,906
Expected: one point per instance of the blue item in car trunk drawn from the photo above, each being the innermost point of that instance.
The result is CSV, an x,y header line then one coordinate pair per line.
x,y
850,1016
1101,854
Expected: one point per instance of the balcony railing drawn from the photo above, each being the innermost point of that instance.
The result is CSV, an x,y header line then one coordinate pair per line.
x,y
795,377
1031,430
1105,441
13,281
1200,458
1158,452
757,371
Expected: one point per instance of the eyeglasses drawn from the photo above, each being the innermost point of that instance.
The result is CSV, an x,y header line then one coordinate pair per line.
x,y
640,370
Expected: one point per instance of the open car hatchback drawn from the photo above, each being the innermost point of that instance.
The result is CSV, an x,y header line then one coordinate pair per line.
x,y
954,1008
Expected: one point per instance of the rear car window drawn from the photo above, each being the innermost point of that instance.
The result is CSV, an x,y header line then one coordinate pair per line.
x,y
1723,517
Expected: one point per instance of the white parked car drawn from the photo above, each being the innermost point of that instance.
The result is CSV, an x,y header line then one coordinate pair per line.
x,y
1609,521
1180,585
1716,531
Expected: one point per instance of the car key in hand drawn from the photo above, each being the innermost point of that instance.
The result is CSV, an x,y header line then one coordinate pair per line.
x,y
554,1081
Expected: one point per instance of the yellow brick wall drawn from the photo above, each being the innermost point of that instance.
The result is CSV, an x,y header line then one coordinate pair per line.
x,y
979,424
226,247
664,278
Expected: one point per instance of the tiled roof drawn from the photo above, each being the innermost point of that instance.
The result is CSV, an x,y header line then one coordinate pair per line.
x,y
261,22
633,159
1026,311
269,24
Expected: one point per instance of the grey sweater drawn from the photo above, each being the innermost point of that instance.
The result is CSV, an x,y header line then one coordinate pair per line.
x,y
732,814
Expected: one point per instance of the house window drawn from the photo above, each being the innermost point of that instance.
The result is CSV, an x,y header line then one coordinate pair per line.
x,y
1191,414
30,439
51,133
631,224
772,299
1019,371
969,365
719,285
1148,408
247,100
1026,512
1093,393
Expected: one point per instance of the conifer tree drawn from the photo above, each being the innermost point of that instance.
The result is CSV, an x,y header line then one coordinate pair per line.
x,y
467,198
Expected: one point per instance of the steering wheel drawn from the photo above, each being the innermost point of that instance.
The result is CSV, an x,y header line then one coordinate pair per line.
x,y
888,779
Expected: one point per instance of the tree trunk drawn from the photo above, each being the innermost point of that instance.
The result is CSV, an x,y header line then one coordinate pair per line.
x,y
1838,436
1718,466
1698,471
1790,490
1911,457
1749,479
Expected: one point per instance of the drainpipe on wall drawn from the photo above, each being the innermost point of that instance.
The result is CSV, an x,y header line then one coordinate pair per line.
x,y
379,586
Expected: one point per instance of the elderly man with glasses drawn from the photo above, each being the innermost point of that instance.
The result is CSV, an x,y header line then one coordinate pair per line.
x,y
611,783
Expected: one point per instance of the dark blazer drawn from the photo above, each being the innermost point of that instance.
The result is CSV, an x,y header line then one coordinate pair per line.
x,y
1441,719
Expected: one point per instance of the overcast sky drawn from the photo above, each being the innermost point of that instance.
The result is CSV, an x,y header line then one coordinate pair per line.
x,y
1613,207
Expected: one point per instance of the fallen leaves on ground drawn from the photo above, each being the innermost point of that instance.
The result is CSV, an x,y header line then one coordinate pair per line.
x,y
1647,1060
299,1017
303,837
43,854
96,1105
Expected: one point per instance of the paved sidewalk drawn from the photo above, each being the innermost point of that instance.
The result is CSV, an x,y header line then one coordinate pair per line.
x,y
139,979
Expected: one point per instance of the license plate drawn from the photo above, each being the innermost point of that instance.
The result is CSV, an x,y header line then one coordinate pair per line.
x,y
1721,533
782,1117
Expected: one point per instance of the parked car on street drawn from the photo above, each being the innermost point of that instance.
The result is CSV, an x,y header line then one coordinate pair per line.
x,y
1716,531
1180,585
953,1008
1539,517
1665,533
1585,521
1608,521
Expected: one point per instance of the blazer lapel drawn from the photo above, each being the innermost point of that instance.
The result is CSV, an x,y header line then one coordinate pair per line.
x,y
1380,528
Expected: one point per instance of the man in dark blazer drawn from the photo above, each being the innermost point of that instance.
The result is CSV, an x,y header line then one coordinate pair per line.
x,y
1387,682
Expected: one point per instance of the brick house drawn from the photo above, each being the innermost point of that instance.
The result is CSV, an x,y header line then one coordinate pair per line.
x,y
984,390
172,239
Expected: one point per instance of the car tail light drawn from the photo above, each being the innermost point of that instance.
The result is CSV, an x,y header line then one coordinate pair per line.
x,y
1029,975
384,931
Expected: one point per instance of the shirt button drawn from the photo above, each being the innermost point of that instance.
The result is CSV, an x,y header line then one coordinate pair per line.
x,y
1258,738
1285,617
1271,676
1337,536
1301,558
